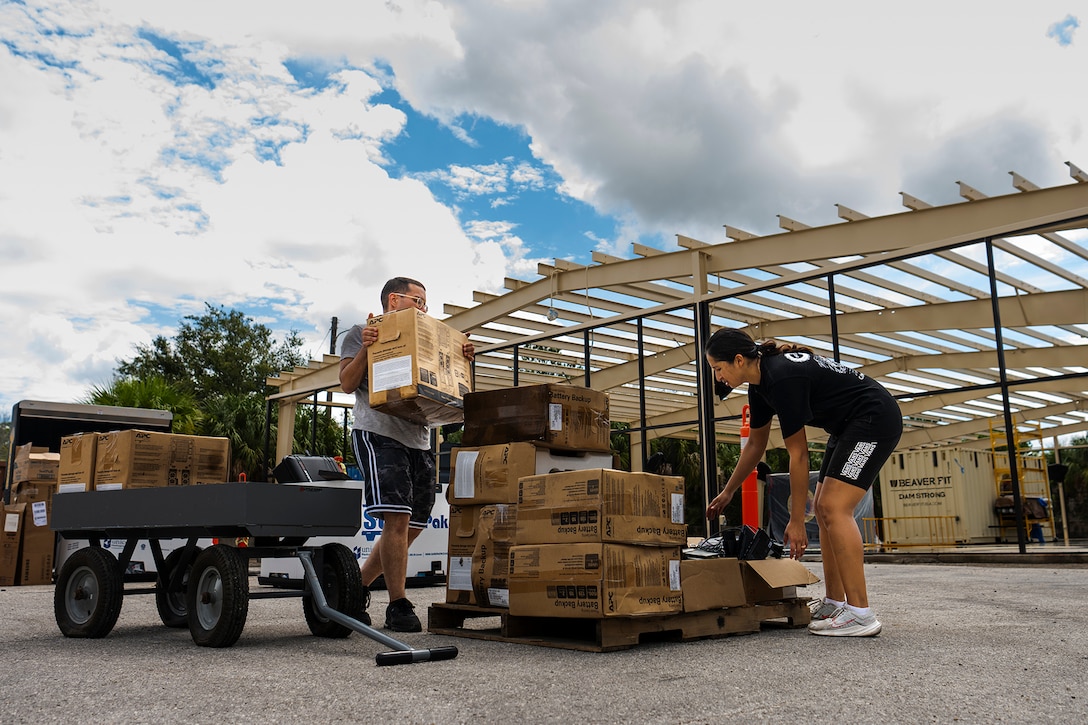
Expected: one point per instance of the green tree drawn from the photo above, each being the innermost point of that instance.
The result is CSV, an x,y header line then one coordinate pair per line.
x,y
240,418
220,352
5,438
221,360
1075,488
153,392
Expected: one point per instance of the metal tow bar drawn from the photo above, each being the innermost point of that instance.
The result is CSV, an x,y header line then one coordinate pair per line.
x,y
404,653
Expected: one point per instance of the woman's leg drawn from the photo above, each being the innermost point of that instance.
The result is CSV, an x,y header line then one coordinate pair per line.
x,y
841,538
833,588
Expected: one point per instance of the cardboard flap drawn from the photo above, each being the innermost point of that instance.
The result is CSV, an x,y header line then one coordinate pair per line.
x,y
783,572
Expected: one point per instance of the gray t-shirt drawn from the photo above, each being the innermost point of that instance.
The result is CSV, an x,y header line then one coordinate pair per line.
x,y
410,434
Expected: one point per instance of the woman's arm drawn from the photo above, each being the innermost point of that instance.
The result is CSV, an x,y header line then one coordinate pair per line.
x,y
796,537
751,455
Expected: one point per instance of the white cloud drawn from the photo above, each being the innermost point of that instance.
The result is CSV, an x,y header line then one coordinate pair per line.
x,y
124,193
128,200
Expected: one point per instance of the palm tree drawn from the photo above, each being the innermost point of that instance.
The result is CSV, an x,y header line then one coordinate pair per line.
x,y
154,393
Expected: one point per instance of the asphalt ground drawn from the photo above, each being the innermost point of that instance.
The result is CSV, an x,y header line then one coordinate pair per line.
x,y
973,643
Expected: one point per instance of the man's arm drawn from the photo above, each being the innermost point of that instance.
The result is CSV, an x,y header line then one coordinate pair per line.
x,y
353,369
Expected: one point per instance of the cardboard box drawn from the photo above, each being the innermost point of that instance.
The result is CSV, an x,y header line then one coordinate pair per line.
x,y
558,416
768,580
34,491
34,562
462,544
489,474
36,552
417,369
34,463
210,461
11,535
77,457
496,532
601,505
711,584
147,459
594,580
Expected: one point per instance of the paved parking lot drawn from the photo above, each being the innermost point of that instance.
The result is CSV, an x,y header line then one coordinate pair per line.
x,y
973,643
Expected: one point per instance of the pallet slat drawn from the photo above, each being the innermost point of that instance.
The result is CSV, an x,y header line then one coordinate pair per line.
x,y
613,633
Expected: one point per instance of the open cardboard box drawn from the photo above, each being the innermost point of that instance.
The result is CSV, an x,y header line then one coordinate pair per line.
x,y
774,579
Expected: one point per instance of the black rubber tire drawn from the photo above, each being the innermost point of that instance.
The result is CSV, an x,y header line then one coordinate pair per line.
x,y
217,598
89,592
343,588
171,605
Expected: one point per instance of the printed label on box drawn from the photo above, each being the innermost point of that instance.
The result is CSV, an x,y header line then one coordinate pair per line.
x,y
464,481
674,574
460,576
40,515
498,597
11,523
392,374
555,416
677,508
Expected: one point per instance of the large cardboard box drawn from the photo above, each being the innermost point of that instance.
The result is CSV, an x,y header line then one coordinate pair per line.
x,y
417,369
36,540
211,460
711,584
594,580
36,553
489,474
601,505
34,491
11,535
147,459
496,533
568,417
77,457
464,521
768,580
34,463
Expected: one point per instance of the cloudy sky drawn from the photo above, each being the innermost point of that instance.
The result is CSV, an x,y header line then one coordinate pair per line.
x,y
284,159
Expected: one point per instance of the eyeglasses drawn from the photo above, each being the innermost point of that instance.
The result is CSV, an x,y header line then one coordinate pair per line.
x,y
419,302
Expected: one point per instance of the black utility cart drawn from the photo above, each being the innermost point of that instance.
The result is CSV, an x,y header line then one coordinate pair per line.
x,y
208,590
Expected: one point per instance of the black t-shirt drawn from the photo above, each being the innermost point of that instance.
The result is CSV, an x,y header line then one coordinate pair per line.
x,y
805,389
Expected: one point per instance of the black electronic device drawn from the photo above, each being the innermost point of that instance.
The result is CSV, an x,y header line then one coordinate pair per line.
x,y
308,469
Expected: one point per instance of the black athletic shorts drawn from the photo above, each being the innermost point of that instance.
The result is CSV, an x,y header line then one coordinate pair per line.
x,y
396,478
854,458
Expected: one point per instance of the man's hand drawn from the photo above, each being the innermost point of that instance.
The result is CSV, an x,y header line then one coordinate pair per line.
x,y
469,351
370,332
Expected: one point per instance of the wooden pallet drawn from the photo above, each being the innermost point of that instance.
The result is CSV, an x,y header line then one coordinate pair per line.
x,y
611,633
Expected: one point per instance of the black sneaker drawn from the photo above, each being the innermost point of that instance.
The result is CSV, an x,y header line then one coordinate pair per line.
x,y
400,616
364,617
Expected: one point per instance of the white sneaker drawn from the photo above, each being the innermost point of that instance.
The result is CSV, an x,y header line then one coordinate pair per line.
x,y
822,615
846,623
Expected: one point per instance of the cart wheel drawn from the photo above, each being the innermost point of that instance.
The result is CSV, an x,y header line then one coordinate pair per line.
x,y
343,588
217,598
89,592
171,604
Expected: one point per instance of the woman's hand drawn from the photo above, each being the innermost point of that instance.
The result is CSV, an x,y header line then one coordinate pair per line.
x,y
796,538
718,504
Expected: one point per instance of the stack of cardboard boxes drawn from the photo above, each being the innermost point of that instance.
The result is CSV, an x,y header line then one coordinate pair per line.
x,y
26,542
92,462
543,525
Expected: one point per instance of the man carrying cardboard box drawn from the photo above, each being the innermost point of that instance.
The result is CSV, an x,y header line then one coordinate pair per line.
x,y
396,460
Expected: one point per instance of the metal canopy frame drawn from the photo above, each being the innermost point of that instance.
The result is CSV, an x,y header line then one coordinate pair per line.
x,y
971,313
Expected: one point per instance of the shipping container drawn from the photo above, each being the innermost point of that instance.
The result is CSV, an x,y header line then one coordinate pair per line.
x,y
938,496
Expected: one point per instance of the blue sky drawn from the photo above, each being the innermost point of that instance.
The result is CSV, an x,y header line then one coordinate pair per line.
x,y
155,157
